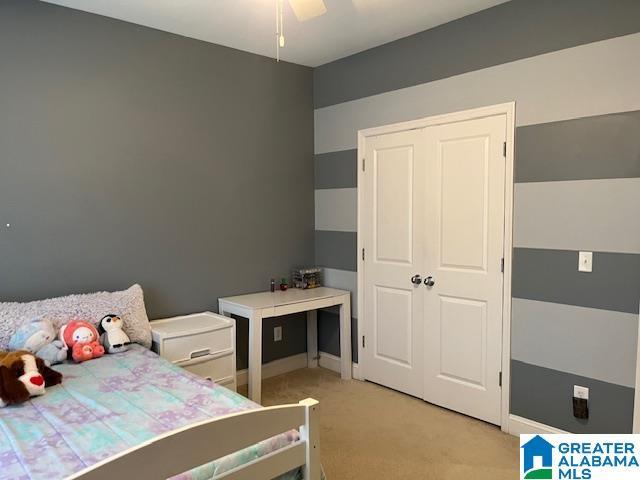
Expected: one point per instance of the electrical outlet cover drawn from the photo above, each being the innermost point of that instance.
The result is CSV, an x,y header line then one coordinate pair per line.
x,y
585,262
581,392
277,334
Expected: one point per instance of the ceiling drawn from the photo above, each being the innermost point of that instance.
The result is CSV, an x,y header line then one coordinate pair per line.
x,y
348,27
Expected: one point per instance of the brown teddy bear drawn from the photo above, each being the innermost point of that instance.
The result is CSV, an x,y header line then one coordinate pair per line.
x,y
23,375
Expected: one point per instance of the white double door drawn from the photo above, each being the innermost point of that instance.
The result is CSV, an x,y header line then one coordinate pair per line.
x,y
433,226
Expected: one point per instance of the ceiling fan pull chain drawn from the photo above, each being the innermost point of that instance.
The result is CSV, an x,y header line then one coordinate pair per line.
x,y
281,39
277,30
279,27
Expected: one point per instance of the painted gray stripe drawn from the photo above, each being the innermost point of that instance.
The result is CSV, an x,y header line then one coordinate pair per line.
x,y
337,209
597,215
511,31
604,146
336,169
329,334
553,276
336,250
344,280
562,85
545,396
602,343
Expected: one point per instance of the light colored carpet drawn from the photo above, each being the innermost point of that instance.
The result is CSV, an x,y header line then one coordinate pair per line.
x,y
371,432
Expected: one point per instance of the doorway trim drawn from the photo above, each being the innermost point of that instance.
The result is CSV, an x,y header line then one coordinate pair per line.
x,y
507,109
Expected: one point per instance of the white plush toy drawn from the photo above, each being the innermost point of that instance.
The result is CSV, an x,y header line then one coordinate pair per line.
x,y
38,336
112,336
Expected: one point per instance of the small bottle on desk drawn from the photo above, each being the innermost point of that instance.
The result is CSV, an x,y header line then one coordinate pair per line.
x,y
273,285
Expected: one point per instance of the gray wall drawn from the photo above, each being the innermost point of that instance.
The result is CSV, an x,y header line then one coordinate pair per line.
x,y
132,155
505,33
572,68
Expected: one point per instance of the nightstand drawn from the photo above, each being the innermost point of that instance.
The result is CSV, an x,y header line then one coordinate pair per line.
x,y
203,343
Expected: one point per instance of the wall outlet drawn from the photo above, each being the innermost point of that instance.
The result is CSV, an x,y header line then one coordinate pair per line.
x,y
585,262
581,392
277,334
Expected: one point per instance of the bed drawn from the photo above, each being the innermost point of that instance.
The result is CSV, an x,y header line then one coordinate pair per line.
x,y
135,415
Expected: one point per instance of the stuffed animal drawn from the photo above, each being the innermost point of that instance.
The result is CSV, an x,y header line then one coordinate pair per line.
x,y
82,338
112,335
38,336
23,375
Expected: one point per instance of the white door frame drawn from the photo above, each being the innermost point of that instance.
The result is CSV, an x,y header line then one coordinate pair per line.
x,y
507,109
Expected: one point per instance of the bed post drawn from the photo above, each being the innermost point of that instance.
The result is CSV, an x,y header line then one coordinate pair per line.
x,y
310,434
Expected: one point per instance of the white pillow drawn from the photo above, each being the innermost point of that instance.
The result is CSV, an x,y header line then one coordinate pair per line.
x,y
128,304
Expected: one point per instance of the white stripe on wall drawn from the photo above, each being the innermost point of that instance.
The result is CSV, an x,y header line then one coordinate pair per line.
x,y
584,341
344,280
337,209
592,79
596,215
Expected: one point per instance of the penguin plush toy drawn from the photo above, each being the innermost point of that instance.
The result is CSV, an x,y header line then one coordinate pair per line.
x,y
112,335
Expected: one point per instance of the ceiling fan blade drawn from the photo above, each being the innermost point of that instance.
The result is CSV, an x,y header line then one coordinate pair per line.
x,y
368,5
308,9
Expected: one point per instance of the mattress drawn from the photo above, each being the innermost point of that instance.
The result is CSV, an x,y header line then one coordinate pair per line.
x,y
113,403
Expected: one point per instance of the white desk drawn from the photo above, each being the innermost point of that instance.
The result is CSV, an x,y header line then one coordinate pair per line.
x,y
257,306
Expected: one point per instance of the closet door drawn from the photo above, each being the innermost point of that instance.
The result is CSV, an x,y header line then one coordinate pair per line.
x,y
464,247
393,228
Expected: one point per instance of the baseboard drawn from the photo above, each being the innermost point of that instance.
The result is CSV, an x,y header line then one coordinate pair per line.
x,y
331,362
519,425
276,367
296,362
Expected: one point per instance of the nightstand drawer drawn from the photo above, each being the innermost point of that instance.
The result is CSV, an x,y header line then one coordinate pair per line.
x,y
191,347
203,343
213,367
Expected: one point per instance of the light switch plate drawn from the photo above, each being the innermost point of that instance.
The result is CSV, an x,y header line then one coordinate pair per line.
x,y
585,262
581,392
277,334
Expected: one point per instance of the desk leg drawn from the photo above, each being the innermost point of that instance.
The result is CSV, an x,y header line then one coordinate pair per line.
x,y
312,338
345,338
255,356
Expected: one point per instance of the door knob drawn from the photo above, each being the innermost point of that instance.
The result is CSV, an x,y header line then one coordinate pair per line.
x,y
429,282
416,279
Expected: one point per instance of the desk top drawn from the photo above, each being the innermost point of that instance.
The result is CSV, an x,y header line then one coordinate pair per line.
x,y
278,298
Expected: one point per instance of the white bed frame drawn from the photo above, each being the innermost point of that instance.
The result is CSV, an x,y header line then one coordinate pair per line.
x,y
189,447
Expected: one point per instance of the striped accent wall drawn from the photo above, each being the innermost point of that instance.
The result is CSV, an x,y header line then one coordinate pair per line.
x,y
572,67
336,198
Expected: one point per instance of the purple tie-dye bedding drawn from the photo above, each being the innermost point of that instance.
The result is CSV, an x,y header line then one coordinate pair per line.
x,y
107,405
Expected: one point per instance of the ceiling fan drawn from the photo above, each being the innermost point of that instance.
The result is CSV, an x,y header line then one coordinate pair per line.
x,y
307,9
303,10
